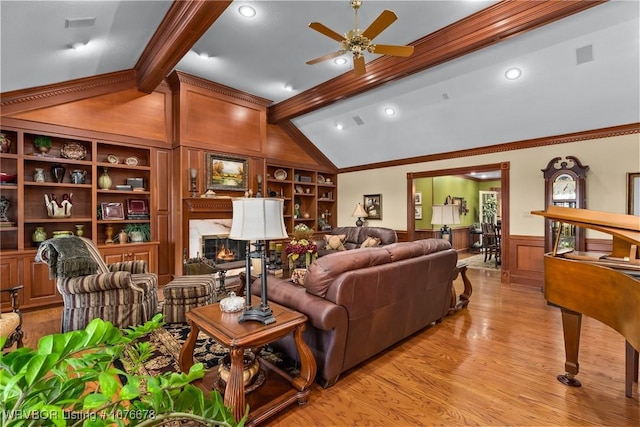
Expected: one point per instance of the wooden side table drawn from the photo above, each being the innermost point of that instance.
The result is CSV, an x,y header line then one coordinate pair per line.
x,y
279,389
458,303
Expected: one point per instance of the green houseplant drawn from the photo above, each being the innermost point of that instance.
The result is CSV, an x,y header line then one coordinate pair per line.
x,y
70,380
42,143
138,232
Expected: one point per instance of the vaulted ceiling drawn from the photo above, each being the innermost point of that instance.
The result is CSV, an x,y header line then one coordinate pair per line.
x,y
580,62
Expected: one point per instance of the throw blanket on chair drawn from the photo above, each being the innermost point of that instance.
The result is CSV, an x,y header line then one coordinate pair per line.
x,y
67,257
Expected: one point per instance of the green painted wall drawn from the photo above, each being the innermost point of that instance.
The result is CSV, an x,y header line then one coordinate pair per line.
x,y
436,190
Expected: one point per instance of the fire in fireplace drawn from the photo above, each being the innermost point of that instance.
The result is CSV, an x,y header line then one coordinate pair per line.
x,y
222,249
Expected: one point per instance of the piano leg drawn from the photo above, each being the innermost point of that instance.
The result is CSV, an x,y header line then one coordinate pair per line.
x,y
631,368
571,323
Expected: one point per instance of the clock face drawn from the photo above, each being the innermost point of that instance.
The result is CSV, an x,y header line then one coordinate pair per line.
x,y
564,188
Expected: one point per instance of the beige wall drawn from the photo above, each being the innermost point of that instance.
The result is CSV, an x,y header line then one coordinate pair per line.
x,y
609,159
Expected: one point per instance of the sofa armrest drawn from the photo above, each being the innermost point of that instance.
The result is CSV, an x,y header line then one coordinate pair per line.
x,y
322,314
96,283
133,267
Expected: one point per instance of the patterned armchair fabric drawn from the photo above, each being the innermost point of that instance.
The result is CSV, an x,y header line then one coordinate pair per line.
x,y
123,293
11,323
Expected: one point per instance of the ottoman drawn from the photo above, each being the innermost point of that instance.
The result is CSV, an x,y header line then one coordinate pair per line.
x,y
187,292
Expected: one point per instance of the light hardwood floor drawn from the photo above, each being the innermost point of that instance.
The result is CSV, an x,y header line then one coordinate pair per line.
x,y
492,364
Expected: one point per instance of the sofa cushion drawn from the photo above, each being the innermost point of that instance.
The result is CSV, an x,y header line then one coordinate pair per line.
x,y
325,270
335,241
370,242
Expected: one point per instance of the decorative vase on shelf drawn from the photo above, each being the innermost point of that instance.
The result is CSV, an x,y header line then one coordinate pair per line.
x,y
123,237
79,230
38,175
108,231
4,207
105,180
58,171
5,143
39,236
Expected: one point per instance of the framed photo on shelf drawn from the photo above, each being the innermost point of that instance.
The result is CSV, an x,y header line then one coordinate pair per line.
x,y
417,199
633,193
112,211
373,206
226,172
137,209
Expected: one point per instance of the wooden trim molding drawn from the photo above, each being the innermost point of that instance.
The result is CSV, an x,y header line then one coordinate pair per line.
x,y
607,132
183,25
35,98
177,78
492,25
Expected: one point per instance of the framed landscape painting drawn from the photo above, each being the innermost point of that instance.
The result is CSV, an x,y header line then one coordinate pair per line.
x,y
226,172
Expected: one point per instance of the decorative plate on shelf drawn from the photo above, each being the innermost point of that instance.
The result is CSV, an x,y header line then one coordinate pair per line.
x,y
112,158
132,161
73,151
280,174
321,179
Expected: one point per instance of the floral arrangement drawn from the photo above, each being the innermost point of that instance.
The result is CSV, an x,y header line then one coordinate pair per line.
x,y
301,246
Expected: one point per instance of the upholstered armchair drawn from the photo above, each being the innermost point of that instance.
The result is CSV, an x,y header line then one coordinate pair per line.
x,y
124,293
11,323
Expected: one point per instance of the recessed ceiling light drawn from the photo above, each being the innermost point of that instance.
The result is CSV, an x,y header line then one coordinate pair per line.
x,y
204,55
340,61
339,126
247,11
513,73
288,88
389,111
78,46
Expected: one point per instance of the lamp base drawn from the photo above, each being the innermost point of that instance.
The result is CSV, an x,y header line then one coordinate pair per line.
x,y
262,314
359,222
446,233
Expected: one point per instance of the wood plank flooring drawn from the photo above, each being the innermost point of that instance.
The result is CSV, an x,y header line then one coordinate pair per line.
x,y
492,364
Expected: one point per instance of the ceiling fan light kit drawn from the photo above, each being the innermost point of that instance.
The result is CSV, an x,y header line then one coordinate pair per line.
x,y
357,42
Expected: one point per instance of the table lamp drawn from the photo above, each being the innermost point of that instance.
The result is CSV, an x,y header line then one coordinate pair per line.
x,y
360,213
443,215
258,219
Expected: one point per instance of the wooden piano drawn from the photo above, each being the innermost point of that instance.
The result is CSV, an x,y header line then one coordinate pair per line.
x,y
603,286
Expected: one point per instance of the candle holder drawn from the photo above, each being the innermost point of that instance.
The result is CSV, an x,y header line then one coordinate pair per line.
x,y
193,174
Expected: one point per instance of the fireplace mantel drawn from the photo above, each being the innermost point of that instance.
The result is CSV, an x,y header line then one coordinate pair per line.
x,y
211,205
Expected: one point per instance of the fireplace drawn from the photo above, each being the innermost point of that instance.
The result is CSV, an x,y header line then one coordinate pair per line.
x,y
220,248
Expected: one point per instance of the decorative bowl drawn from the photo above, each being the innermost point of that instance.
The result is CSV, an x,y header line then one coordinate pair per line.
x,y
7,177
73,151
251,367
112,158
232,303
280,174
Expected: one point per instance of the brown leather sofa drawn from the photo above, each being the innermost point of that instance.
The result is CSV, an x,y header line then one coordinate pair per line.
x,y
355,236
363,301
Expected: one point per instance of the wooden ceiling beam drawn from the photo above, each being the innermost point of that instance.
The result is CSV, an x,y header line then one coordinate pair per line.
x,y
503,20
184,24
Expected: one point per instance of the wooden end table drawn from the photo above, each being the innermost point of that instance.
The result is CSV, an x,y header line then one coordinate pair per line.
x,y
279,389
461,302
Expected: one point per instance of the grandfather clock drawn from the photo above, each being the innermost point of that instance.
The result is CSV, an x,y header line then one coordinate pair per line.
x,y
565,186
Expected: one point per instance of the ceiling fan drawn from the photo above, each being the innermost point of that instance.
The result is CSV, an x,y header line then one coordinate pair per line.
x,y
357,41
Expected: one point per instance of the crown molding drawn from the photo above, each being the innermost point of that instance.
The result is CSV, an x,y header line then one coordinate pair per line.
x,y
519,145
35,98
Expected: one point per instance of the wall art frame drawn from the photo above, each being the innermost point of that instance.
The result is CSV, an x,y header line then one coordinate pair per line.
x,y
226,172
417,198
418,212
633,193
372,204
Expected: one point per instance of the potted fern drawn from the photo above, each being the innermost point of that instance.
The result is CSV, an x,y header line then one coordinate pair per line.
x,y
70,379
42,143
138,232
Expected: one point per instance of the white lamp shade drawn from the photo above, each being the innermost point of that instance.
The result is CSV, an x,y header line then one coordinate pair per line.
x,y
445,215
359,212
257,218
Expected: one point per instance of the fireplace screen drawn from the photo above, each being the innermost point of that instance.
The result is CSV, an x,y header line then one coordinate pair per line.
x,y
222,249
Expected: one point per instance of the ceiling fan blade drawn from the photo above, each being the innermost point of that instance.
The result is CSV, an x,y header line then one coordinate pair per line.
x,y
358,66
325,57
387,49
383,20
326,31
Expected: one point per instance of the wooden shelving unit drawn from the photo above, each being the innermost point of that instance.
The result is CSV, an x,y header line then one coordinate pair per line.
x,y
310,196
27,209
